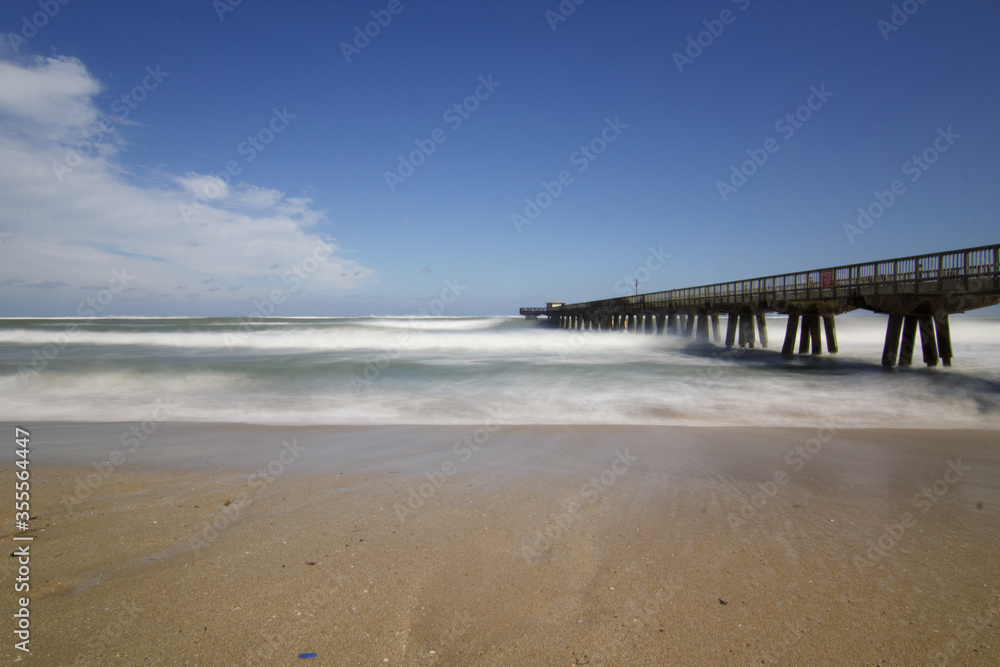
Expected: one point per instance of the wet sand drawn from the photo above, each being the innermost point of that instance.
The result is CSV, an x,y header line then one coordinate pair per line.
x,y
510,545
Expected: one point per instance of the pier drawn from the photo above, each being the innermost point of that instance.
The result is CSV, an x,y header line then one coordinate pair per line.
x,y
917,293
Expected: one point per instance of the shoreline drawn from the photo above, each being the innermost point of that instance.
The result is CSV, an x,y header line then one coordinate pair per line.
x,y
546,544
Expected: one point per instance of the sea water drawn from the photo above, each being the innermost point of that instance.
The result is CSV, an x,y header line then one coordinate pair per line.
x,y
467,370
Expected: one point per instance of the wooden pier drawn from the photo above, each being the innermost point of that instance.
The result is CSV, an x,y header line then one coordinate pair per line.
x,y
917,293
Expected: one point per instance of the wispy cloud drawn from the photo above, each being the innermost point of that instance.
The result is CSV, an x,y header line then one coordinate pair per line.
x,y
69,232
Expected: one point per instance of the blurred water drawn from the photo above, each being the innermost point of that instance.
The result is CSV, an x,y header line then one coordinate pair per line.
x,y
458,370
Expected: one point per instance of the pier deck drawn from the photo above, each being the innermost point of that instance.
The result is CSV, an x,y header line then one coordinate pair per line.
x,y
917,293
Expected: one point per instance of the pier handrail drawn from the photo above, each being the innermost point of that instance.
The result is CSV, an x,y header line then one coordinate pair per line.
x,y
833,282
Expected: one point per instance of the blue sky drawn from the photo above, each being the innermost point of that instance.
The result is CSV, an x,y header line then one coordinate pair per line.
x,y
309,128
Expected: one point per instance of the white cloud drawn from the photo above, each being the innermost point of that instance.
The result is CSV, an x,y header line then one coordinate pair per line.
x,y
68,229
56,94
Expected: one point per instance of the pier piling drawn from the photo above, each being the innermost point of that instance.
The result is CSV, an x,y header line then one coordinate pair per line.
x,y
806,334
927,340
762,330
746,329
831,334
732,324
791,329
689,325
892,332
943,337
702,327
909,338
817,342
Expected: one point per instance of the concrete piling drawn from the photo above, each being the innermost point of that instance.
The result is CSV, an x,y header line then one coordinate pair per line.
x,y
909,338
791,330
715,328
892,332
746,329
943,337
831,334
817,342
927,340
702,327
689,325
806,335
762,330
732,324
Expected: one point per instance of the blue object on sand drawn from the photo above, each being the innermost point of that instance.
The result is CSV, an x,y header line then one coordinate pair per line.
x,y
307,655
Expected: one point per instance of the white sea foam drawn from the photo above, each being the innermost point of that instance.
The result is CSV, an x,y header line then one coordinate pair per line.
x,y
452,370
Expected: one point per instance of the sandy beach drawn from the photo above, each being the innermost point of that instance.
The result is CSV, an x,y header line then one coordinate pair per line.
x,y
538,545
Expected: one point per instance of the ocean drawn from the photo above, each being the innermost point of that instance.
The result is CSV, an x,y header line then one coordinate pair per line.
x,y
470,370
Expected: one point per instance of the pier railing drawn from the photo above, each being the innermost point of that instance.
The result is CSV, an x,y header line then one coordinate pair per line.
x,y
904,275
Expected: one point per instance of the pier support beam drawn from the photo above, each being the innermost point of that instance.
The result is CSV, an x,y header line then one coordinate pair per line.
x,y
817,342
791,329
672,323
715,328
806,335
891,348
732,324
702,327
746,329
831,334
762,330
689,325
909,338
943,337
661,324
927,340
